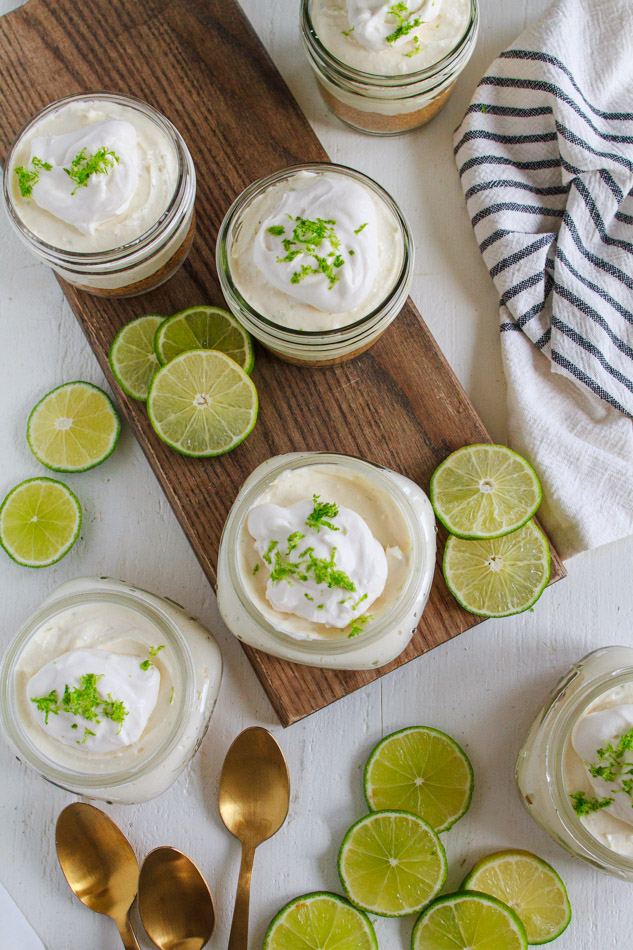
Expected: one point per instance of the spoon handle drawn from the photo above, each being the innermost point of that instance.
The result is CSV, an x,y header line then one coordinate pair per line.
x,y
238,938
127,934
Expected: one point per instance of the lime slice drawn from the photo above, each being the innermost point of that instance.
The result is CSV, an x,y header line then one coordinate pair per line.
x,y
391,863
39,522
499,577
73,428
468,921
530,886
132,357
484,491
423,771
202,403
320,922
204,328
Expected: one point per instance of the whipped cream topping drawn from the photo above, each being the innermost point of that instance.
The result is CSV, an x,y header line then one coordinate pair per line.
x,y
328,574
382,26
592,734
106,193
120,679
319,244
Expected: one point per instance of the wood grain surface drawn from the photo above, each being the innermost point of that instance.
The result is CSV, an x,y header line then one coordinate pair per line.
x,y
400,405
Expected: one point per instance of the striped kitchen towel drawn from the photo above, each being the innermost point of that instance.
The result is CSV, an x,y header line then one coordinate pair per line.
x,y
545,156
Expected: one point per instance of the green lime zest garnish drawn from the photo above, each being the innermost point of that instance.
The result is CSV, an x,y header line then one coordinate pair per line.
x,y
153,651
27,178
613,768
347,32
358,625
321,511
584,805
269,551
323,570
87,732
416,49
255,569
359,229
84,701
276,229
83,166
307,237
401,12
293,540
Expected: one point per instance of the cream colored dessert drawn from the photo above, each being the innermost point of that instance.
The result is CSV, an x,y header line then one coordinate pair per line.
x,y
324,553
95,687
92,176
389,39
598,769
316,251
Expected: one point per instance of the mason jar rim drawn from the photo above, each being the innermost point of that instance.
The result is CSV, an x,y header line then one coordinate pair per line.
x,y
15,729
144,240
232,531
555,752
389,80
341,334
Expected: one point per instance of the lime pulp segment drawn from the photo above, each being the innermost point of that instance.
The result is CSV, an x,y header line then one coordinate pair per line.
x,y
132,357
391,863
320,922
501,576
204,328
202,403
468,921
39,522
423,771
484,491
73,428
530,886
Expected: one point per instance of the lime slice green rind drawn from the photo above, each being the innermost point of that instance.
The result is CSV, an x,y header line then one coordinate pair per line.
x,y
530,886
204,328
132,357
468,920
73,428
391,863
320,921
423,771
202,404
484,491
40,520
501,576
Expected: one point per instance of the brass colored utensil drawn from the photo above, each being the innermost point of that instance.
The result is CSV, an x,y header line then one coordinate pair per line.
x,y
99,864
174,901
254,799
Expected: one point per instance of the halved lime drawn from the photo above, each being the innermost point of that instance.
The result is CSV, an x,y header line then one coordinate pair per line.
x,y
320,921
420,770
204,328
391,863
39,522
468,921
501,576
202,403
73,428
530,886
484,491
132,357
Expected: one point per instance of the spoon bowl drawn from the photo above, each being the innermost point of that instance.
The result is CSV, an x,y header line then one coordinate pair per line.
x,y
99,864
174,901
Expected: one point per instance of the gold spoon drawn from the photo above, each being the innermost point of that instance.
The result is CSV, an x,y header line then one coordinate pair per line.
x,y
99,864
254,798
174,901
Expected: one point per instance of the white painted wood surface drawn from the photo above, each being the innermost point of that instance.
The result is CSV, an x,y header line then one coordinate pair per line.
x,y
484,687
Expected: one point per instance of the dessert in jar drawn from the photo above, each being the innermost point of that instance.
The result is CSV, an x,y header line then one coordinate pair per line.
x,y
101,187
388,68
316,261
326,560
107,690
575,771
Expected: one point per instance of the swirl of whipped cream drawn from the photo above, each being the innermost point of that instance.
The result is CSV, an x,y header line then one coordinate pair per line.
x,y
372,21
121,678
105,194
282,537
319,244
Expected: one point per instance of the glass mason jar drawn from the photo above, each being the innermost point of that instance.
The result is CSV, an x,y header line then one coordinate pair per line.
x,y
145,262
540,771
313,347
387,637
193,661
389,104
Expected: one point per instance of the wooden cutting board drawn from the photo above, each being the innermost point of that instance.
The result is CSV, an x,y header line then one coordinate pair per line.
x,y
201,64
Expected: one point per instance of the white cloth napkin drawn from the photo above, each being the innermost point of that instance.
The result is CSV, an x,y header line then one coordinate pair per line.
x,y
545,155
